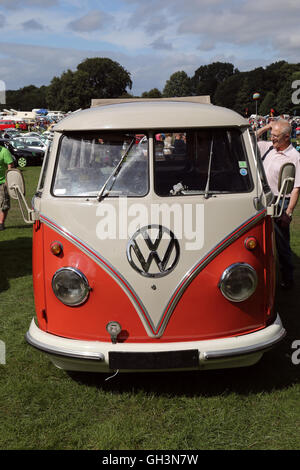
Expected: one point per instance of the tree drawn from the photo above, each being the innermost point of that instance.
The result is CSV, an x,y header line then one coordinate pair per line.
x,y
207,77
226,92
26,98
105,78
179,84
94,78
267,104
295,108
154,93
243,98
284,98
67,93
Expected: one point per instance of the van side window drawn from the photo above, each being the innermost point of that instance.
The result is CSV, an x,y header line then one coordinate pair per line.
x,y
200,161
86,161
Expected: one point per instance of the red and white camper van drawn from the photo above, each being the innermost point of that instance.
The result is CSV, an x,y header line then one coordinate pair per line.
x,y
153,243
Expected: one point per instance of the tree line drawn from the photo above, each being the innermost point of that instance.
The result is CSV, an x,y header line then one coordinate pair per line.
x,y
226,85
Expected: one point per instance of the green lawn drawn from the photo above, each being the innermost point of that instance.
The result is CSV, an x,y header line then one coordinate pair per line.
x,y
42,407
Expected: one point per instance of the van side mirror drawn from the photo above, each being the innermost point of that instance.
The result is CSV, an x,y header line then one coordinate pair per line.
x,y
286,176
14,180
16,189
286,180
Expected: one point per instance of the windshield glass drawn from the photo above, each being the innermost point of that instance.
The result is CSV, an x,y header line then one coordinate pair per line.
x,y
85,162
205,161
17,144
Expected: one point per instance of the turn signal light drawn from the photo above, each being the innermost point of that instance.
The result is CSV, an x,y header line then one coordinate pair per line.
x,y
56,248
251,243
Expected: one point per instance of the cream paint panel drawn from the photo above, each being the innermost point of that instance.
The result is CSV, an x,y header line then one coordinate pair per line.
x,y
222,215
151,115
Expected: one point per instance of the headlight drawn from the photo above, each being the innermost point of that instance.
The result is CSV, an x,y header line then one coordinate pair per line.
x,y
238,282
70,286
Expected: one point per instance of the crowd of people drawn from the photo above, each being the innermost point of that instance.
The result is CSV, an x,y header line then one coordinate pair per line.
x,y
38,125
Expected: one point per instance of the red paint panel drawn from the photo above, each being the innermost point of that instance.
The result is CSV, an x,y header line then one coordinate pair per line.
x,y
107,300
204,313
38,274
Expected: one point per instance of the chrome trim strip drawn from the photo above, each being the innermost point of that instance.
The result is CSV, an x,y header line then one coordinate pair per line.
x,y
245,350
61,352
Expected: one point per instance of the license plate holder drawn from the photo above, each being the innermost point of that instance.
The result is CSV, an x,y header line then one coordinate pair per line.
x,y
154,360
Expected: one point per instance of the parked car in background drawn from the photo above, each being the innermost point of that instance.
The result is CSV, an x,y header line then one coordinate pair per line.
x,y
33,142
10,133
46,134
23,156
5,124
44,137
31,134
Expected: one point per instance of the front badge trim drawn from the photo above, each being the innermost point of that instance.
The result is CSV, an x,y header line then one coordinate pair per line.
x,y
163,261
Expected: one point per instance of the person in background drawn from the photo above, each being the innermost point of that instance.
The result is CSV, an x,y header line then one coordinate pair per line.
x,y
6,163
274,154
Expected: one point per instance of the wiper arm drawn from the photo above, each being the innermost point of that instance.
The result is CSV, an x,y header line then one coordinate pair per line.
x,y
209,170
115,172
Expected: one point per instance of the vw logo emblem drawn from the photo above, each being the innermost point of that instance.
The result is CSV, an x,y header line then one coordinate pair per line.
x,y
153,251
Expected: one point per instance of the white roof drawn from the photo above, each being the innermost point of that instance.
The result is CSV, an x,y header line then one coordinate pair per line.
x,y
150,114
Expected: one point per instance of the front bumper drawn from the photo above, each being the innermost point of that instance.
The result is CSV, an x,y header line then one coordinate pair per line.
x,y
96,356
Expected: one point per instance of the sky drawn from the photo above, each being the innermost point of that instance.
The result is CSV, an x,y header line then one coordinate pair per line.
x,y
151,39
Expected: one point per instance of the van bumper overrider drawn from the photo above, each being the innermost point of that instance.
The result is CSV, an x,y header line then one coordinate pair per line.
x,y
96,356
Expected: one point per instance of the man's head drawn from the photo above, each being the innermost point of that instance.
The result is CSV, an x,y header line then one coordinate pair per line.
x,y
281,134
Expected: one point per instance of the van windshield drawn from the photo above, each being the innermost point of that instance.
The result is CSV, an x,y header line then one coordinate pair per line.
x,y
186,162
200,161
85,162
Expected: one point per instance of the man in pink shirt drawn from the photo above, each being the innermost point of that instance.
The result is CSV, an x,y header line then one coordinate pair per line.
x,y
274,154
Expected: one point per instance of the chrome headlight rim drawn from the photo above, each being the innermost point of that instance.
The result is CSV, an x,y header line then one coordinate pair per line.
x,y
229,270
82,278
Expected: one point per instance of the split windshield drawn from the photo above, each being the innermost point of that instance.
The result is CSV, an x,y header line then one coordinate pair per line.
x,y
186,162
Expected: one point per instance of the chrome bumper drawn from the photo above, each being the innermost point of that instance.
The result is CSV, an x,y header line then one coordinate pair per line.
x,y
235,351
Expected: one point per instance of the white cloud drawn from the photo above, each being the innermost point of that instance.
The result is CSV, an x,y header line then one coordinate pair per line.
x,y
40,64
2,21
32,25
161,44
150,38
16,4
92,21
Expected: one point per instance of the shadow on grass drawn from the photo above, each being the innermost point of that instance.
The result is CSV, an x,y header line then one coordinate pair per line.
x,y
15,256
274,371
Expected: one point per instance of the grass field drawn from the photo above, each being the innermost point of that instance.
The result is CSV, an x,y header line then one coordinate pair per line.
x,y
42,407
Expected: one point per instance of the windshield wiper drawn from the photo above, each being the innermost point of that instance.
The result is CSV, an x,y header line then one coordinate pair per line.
x,y
209,170
115,172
